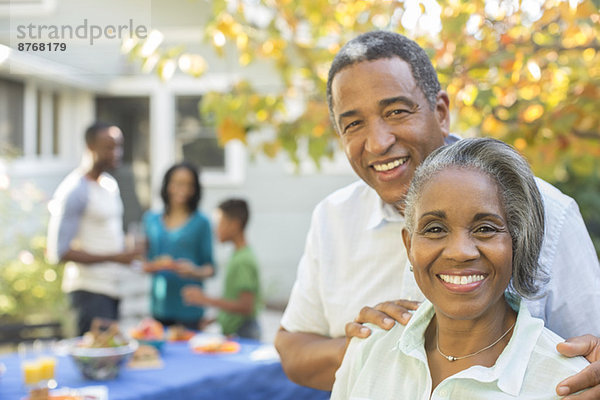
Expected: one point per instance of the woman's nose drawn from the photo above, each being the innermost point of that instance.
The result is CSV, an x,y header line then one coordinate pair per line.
x,y
461,247
380,138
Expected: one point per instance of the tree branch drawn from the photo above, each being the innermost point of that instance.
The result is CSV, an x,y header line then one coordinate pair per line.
x,y
587,134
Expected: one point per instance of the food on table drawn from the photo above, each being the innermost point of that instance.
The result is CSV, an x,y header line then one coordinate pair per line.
x,y
145,353
103,333
164,262
213,343
146,357
101,352
39,394
228,346
178,333
148,329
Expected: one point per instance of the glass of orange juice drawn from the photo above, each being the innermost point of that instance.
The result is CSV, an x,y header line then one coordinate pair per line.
x,y
32,372
47,365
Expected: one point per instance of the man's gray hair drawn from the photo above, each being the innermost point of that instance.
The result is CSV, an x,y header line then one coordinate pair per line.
x,y
519,195
376,45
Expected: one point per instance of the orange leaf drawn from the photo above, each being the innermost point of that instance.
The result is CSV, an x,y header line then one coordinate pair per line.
x,y
533,112
230,130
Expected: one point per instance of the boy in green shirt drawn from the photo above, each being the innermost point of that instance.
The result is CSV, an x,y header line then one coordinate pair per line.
x,y
239,304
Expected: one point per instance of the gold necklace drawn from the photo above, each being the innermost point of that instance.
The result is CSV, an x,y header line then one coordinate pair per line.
x,y
452,358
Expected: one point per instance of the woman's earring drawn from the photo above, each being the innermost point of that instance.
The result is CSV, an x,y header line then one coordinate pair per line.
x,y
410,267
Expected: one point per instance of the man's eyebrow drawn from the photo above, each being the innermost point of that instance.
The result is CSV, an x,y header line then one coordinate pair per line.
x,y
346,114
398,99
382,103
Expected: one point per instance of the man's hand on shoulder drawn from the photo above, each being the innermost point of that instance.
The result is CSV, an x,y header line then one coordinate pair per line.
x,y
383,315
587,346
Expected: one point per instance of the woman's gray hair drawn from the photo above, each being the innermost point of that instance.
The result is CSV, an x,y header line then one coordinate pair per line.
x,y
518,191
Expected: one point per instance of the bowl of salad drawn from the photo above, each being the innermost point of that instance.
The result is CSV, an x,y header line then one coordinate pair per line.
x,y
100,353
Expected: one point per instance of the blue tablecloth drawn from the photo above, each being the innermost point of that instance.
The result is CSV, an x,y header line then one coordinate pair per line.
x,y
185,375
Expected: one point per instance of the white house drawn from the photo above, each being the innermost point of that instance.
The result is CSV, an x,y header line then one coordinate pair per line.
x,y
48,97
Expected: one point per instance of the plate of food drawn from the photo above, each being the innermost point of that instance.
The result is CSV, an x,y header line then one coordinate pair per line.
x,y
97,392
149,332
212,343
146,357
178,333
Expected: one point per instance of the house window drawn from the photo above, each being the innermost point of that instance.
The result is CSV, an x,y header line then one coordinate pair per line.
x,y
195,137
47,130
55,124
11,118
30,121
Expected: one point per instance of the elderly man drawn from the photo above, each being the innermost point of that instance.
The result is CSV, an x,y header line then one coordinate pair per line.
x,y
387,105
86,229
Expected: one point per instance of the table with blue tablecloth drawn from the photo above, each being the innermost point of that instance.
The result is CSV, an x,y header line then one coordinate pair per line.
x,y
247,374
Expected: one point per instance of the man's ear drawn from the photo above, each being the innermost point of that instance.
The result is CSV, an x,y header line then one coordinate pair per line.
x,y
442,112
406,240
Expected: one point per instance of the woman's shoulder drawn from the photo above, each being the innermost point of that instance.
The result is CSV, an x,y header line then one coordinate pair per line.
x,y
546,367
380,337
200,217
198,220
545,351
152,215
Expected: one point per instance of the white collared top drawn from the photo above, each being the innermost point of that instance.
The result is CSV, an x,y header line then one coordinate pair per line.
x,y
394,362
354,257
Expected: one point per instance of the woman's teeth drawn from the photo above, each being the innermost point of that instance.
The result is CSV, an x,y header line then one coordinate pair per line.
x,y
461,279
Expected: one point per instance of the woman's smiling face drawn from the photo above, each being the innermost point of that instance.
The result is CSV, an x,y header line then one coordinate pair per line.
x,y
461,249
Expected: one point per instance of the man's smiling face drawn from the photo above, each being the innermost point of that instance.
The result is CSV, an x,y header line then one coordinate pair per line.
x,y
386,125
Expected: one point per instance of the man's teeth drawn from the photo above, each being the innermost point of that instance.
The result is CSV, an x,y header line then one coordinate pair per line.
x,y
461,279
390,165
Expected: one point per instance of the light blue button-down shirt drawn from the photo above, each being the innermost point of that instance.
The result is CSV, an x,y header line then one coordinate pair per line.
x,y
393,365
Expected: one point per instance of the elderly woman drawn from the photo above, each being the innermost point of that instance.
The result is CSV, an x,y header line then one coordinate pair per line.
x,y
474,228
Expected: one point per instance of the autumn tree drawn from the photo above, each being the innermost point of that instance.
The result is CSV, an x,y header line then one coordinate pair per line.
x,y
525,72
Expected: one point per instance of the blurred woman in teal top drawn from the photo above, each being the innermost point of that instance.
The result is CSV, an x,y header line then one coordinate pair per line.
x,y
179,251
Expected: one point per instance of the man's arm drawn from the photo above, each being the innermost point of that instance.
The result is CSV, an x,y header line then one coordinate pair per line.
x,y
309,359
66,210
571,306
244,304
571,303
87,258
65,220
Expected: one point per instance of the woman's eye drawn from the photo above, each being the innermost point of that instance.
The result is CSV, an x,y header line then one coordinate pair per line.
x,y
433,230
485,229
